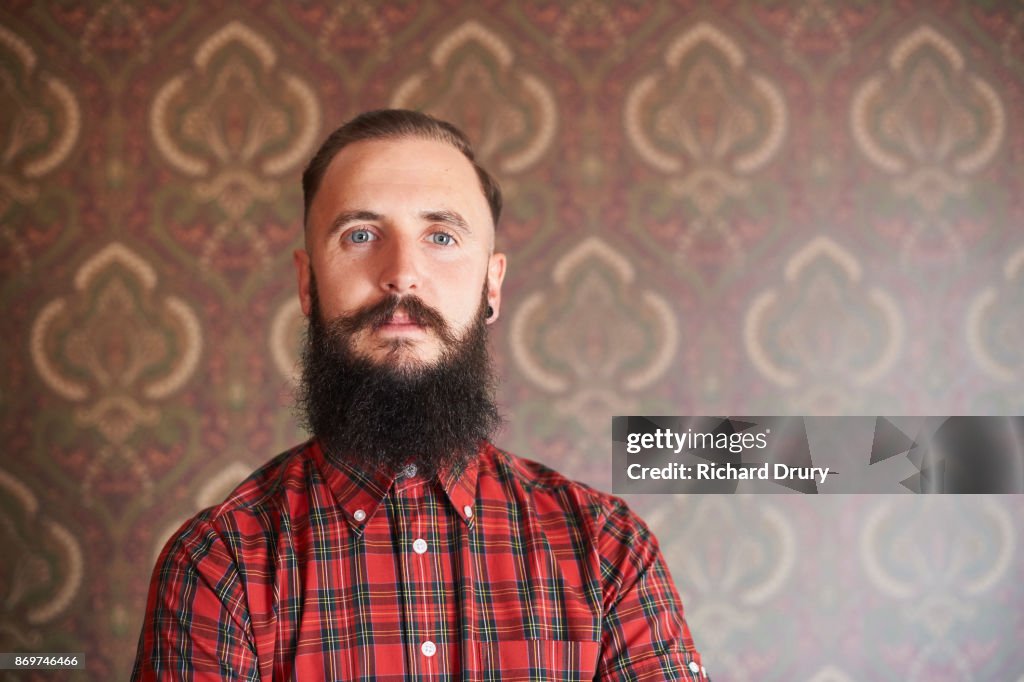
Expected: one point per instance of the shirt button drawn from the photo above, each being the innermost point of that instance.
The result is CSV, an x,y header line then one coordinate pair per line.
x,y
694,667
359,515
428,648
409,471
419,546
468,511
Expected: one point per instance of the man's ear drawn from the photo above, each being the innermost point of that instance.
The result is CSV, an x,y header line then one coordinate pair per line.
x,y
302,272
495,276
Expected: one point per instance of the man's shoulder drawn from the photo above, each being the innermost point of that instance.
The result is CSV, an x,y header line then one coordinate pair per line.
x,y
527,472
265,493
541,481
291,471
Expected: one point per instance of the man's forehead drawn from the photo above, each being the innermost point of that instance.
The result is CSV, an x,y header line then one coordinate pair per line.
x,y
403,160
408,169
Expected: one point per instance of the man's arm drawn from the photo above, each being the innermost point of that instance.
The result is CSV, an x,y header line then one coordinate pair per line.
x,y
196,625
644,634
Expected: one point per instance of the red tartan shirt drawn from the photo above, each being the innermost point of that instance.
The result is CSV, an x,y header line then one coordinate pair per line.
x,y
313,570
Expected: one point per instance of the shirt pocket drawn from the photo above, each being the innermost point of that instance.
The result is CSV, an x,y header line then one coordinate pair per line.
x,y
529,660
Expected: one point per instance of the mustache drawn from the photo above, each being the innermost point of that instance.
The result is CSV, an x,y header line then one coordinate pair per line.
x,y
376,315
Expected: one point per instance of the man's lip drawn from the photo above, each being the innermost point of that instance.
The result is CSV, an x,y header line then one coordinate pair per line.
x,y
401,322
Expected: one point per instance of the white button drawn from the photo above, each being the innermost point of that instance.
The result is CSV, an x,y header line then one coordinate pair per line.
x,y
409,471
419,546
468,511
428,648
694,667
360,515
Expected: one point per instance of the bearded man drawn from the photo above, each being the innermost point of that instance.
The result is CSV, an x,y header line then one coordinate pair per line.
x,y
399,542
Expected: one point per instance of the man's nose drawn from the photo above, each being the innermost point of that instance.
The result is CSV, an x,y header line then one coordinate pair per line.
x,y
400,269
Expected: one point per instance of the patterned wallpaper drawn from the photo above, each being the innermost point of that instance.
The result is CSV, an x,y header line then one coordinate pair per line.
x,y
717,207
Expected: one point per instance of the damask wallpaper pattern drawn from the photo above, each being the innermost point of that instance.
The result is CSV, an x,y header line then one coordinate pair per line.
x,y
722,207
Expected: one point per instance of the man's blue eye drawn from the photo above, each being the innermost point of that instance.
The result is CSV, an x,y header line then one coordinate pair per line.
x,y
360,236
441,238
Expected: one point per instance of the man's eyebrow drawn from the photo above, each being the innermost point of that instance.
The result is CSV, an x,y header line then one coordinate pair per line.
x,y
449,218
346,217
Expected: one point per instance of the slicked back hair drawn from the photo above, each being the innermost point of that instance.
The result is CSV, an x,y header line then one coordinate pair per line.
x,y
392,124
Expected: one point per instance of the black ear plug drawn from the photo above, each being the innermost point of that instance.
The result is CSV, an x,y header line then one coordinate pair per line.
x,y
490,312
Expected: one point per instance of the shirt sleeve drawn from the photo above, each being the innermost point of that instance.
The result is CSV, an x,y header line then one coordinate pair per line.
x,y
644,634
196,625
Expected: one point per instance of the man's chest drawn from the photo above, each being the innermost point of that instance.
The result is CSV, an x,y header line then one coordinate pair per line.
x,y
418,592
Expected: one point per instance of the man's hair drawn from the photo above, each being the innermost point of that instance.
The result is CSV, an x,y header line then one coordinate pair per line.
x,y
390,124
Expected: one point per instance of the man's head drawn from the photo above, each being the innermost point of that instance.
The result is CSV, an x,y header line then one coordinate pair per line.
x,y
396,206
399,278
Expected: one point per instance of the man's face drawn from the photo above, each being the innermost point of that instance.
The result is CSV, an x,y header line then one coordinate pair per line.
x,y
403,218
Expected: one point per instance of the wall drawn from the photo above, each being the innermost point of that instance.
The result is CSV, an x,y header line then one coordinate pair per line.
x,y
726,207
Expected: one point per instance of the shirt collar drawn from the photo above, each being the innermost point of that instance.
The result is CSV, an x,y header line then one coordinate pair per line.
x,y
460,487
359,493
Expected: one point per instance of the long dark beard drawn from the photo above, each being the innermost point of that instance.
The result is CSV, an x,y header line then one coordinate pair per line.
x,y
386,415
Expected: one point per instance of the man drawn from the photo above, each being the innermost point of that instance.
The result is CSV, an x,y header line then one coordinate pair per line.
x,y
399,543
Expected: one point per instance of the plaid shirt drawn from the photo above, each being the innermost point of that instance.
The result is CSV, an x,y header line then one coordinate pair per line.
x,y
313,570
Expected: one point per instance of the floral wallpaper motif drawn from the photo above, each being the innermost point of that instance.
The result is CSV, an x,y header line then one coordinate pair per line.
x,y
740,206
